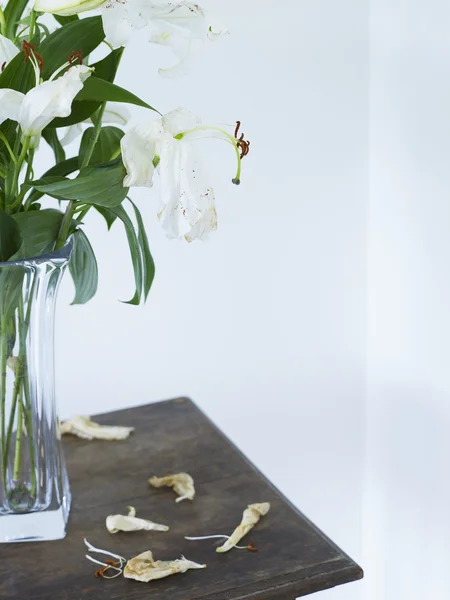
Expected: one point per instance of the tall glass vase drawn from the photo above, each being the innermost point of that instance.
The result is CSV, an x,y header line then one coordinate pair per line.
x,y
34,489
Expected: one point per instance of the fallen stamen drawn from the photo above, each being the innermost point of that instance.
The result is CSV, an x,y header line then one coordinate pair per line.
x,y
99,551
211,537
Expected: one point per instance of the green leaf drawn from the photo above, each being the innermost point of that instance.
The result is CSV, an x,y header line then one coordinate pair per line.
x,y
83,268
13,12
49,135
66,167
135,250
82,35
81,111
108,145
99,89
64,20
100,185
58,171
10,237
107,67
107,215
143,265
39,230
148,262
11,280
18,75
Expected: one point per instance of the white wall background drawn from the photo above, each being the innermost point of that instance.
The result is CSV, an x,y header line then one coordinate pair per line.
x,y
407,517
263,326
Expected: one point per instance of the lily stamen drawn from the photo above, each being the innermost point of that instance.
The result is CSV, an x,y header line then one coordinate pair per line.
x,y
241,143
249,547
35,59
76,56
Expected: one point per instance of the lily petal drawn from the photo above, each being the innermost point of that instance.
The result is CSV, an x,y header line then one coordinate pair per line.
x,y
138,151
8,50
66,7
180,120
116,112
51,99
145,568
116,523
10,104
188,199
121,18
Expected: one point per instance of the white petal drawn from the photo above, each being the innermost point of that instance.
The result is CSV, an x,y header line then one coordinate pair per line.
x,y
188,199
116,112
116,523
10,103
145,568
8,50
182,47
138,151
87,429
185,16
121,18
68,134
51,99
66,7
180,120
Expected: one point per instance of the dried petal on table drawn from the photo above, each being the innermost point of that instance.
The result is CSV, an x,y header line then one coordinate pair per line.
x,y
144,568
251,516
182,484
85,428
115,523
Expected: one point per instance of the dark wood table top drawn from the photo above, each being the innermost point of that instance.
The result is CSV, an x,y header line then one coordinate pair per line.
x,y
294,558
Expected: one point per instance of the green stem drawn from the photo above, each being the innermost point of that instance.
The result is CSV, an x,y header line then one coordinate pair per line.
x,y
19,433
3,26
32,24
28,177
71,207
3,359
18,167
3,392
23,331
8,147
12,414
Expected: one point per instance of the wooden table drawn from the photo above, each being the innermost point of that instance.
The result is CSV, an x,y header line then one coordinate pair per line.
x,y
295,558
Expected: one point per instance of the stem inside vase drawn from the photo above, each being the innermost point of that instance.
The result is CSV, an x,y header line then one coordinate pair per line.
x,y
33,477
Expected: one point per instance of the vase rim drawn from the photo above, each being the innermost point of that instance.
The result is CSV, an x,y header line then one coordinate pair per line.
x,y
63,253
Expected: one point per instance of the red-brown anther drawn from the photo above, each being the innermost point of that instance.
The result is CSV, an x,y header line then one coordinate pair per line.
x,y
76,57
29,51
242,144
40,61
252,548
109,563
3,66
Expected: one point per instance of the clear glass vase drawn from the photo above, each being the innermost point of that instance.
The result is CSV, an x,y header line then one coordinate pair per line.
x,y
34,487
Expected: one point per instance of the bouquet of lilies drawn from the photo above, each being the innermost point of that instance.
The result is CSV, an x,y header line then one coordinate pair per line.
x,y
52,90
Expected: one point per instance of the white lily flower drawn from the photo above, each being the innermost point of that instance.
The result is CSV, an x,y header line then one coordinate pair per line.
x,y
8,51
178,25
38,107
188,207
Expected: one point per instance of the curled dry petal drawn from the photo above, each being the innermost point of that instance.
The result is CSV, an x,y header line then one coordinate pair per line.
x,y
251,516
182,484
83,427
115,523
144,568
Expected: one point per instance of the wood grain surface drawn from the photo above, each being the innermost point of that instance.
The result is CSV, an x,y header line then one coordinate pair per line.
x,y
295,558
